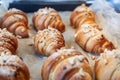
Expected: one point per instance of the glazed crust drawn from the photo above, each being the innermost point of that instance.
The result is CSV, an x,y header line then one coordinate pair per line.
x,y
88,33
16,22
45,17
108,64
48,41
8,41
80,15
13,68
66,64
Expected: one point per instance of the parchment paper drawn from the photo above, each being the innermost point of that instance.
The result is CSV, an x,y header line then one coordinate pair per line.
x,y
33,60
105,16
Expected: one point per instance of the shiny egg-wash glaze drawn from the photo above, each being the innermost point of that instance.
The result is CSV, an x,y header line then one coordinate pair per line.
x,y
15,21
67,64
48,41
88,33
45,17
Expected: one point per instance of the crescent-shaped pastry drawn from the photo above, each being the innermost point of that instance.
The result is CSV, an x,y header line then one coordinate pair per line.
x,y
45,17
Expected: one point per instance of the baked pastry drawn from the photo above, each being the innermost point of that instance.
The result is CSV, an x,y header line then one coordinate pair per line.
x,y
91,39
16,22
81,14
88,33
8,41
66,64
48,41
5,51
107,66
45,17
13,68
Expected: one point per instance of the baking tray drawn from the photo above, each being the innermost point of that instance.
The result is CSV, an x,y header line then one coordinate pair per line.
x,y
59,5
34,61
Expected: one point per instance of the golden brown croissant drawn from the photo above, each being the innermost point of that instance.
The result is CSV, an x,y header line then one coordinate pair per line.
x,y
107,66
66,64
8,41
16,22
48,41
88,34
92,40
45,17
13,68
81,14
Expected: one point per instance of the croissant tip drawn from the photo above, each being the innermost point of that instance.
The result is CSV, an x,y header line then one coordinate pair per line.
x,y
22,33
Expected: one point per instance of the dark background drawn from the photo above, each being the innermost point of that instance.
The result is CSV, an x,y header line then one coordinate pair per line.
x,y
59,5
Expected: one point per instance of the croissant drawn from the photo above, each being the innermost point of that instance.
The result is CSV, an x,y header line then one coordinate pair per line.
x,y
16,22
66,64
81,14
88,33
45,17
92,40
13,68
5,51
107,66
48,41
8,41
